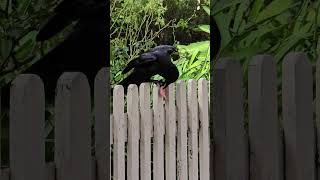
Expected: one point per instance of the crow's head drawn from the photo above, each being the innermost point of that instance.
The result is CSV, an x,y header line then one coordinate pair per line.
x,y
171,50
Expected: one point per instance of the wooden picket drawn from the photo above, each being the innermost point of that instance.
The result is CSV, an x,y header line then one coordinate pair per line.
x,y
146,131
231,145
298,117
182,162
72,128
264,127
102,124
27,108
192,107
170,135
118,133
133,132
204,138
158,135
317,112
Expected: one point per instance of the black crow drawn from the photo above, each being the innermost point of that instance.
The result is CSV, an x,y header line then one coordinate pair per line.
x,y
85,49
156,61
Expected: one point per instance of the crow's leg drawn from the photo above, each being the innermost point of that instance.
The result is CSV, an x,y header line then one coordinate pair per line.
x,y
158,82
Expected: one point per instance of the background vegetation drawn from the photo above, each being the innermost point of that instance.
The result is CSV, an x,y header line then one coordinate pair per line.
x,y
137,26
273,27
19,24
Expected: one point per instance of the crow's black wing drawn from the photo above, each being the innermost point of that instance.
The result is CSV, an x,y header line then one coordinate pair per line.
x,y
143,59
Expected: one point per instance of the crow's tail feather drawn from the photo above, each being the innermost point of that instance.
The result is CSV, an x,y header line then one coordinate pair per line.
x,y
129,66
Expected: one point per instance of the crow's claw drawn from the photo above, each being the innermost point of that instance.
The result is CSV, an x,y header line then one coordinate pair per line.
x,y
158,82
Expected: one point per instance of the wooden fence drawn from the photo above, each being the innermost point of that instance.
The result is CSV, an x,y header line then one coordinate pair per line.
x,y
73,156
271,148
169,139
147,134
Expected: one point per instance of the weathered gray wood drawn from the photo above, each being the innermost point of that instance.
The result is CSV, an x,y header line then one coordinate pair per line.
x,y
111,129
27,117
297,117
102,123
72,128
146,130
211,120
0,129
133,132
231,145
182,149
204,149
266,156
317,111
94,175
170,135
5,174
193,122
158,127
118,133
50,171
125,127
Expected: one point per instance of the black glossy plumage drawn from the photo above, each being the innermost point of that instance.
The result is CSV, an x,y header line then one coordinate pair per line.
x,y
157,61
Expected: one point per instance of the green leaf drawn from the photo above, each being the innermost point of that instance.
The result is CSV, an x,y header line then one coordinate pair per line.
x,y
3,5
239,15
6,46
289,44
276,7
257,5
207,9
222,5
23,6
204,28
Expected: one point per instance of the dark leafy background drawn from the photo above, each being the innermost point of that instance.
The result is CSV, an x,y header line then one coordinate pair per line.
x,y
19,24
273,27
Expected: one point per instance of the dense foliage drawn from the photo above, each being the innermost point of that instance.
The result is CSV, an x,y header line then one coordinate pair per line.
x,y
19,24
273,27
136,26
